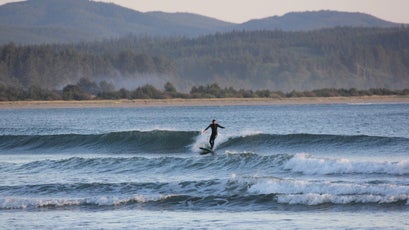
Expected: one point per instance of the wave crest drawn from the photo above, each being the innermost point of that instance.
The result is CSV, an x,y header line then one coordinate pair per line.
x,y
165,142
308,164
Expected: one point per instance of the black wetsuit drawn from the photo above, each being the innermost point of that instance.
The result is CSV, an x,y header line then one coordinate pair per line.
x,y
214,133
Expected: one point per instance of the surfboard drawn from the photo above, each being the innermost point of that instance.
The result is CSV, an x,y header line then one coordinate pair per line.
x,y
206,151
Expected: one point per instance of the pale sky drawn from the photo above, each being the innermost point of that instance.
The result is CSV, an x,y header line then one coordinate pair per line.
x,y
239,11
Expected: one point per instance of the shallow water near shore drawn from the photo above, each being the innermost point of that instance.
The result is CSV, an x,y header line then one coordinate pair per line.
x,y
147,219
279,166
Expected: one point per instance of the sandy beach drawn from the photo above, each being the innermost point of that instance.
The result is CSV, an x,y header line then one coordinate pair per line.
x,y
200,102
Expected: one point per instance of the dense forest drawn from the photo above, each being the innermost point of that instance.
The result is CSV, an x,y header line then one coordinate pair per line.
x,y
359,58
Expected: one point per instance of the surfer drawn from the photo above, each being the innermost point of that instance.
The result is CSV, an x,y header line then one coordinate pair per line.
x,y
214,126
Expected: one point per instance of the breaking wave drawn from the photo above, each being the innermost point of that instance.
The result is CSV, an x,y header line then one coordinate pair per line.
x,y
252,193
163,141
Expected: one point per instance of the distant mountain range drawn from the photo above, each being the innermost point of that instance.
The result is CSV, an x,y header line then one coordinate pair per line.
x,y
313,20
64,21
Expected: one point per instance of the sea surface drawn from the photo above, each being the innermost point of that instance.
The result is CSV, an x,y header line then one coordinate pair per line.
x,y
331,166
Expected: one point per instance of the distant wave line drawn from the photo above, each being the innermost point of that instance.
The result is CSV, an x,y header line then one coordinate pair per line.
x,y
165,141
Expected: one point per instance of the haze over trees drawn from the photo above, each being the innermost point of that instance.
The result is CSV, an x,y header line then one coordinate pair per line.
x,y
360,58
41,56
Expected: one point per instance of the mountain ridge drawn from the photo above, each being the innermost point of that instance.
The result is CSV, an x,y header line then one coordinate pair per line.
x,y
313,20
71,21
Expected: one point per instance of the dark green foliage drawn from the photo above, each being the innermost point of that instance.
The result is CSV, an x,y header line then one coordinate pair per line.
x,y
147,92
49,66
74,92
86,90
128,62
360,58
10,93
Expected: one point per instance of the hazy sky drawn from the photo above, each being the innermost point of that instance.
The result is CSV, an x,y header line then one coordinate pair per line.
x,y
244,10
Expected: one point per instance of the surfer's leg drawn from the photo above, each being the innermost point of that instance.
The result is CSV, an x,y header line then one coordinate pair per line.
x,y
211,141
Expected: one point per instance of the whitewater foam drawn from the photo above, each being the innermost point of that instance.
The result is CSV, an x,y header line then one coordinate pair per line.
x,y
308,164
32,203
313,193
317,199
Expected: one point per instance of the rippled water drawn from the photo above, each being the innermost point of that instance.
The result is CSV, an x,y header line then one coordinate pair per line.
x,y
282,166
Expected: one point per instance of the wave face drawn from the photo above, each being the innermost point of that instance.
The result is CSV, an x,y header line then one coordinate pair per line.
x,y
288,166
163,141
252,193
238,194
116,142
162,169
307,142
236,181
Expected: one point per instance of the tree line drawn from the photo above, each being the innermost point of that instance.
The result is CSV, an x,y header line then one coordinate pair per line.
x,y
360,58
89,90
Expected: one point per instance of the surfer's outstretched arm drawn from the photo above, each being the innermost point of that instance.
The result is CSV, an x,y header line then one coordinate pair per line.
x,y
204,130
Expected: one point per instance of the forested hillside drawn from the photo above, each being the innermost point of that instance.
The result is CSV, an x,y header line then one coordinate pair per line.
x,y
313,20
63,21
69,21
359,58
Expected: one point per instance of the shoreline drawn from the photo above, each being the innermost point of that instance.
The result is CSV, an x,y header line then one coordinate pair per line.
x,y
123,103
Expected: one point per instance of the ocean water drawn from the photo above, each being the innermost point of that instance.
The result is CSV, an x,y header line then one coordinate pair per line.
x,y
342,166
